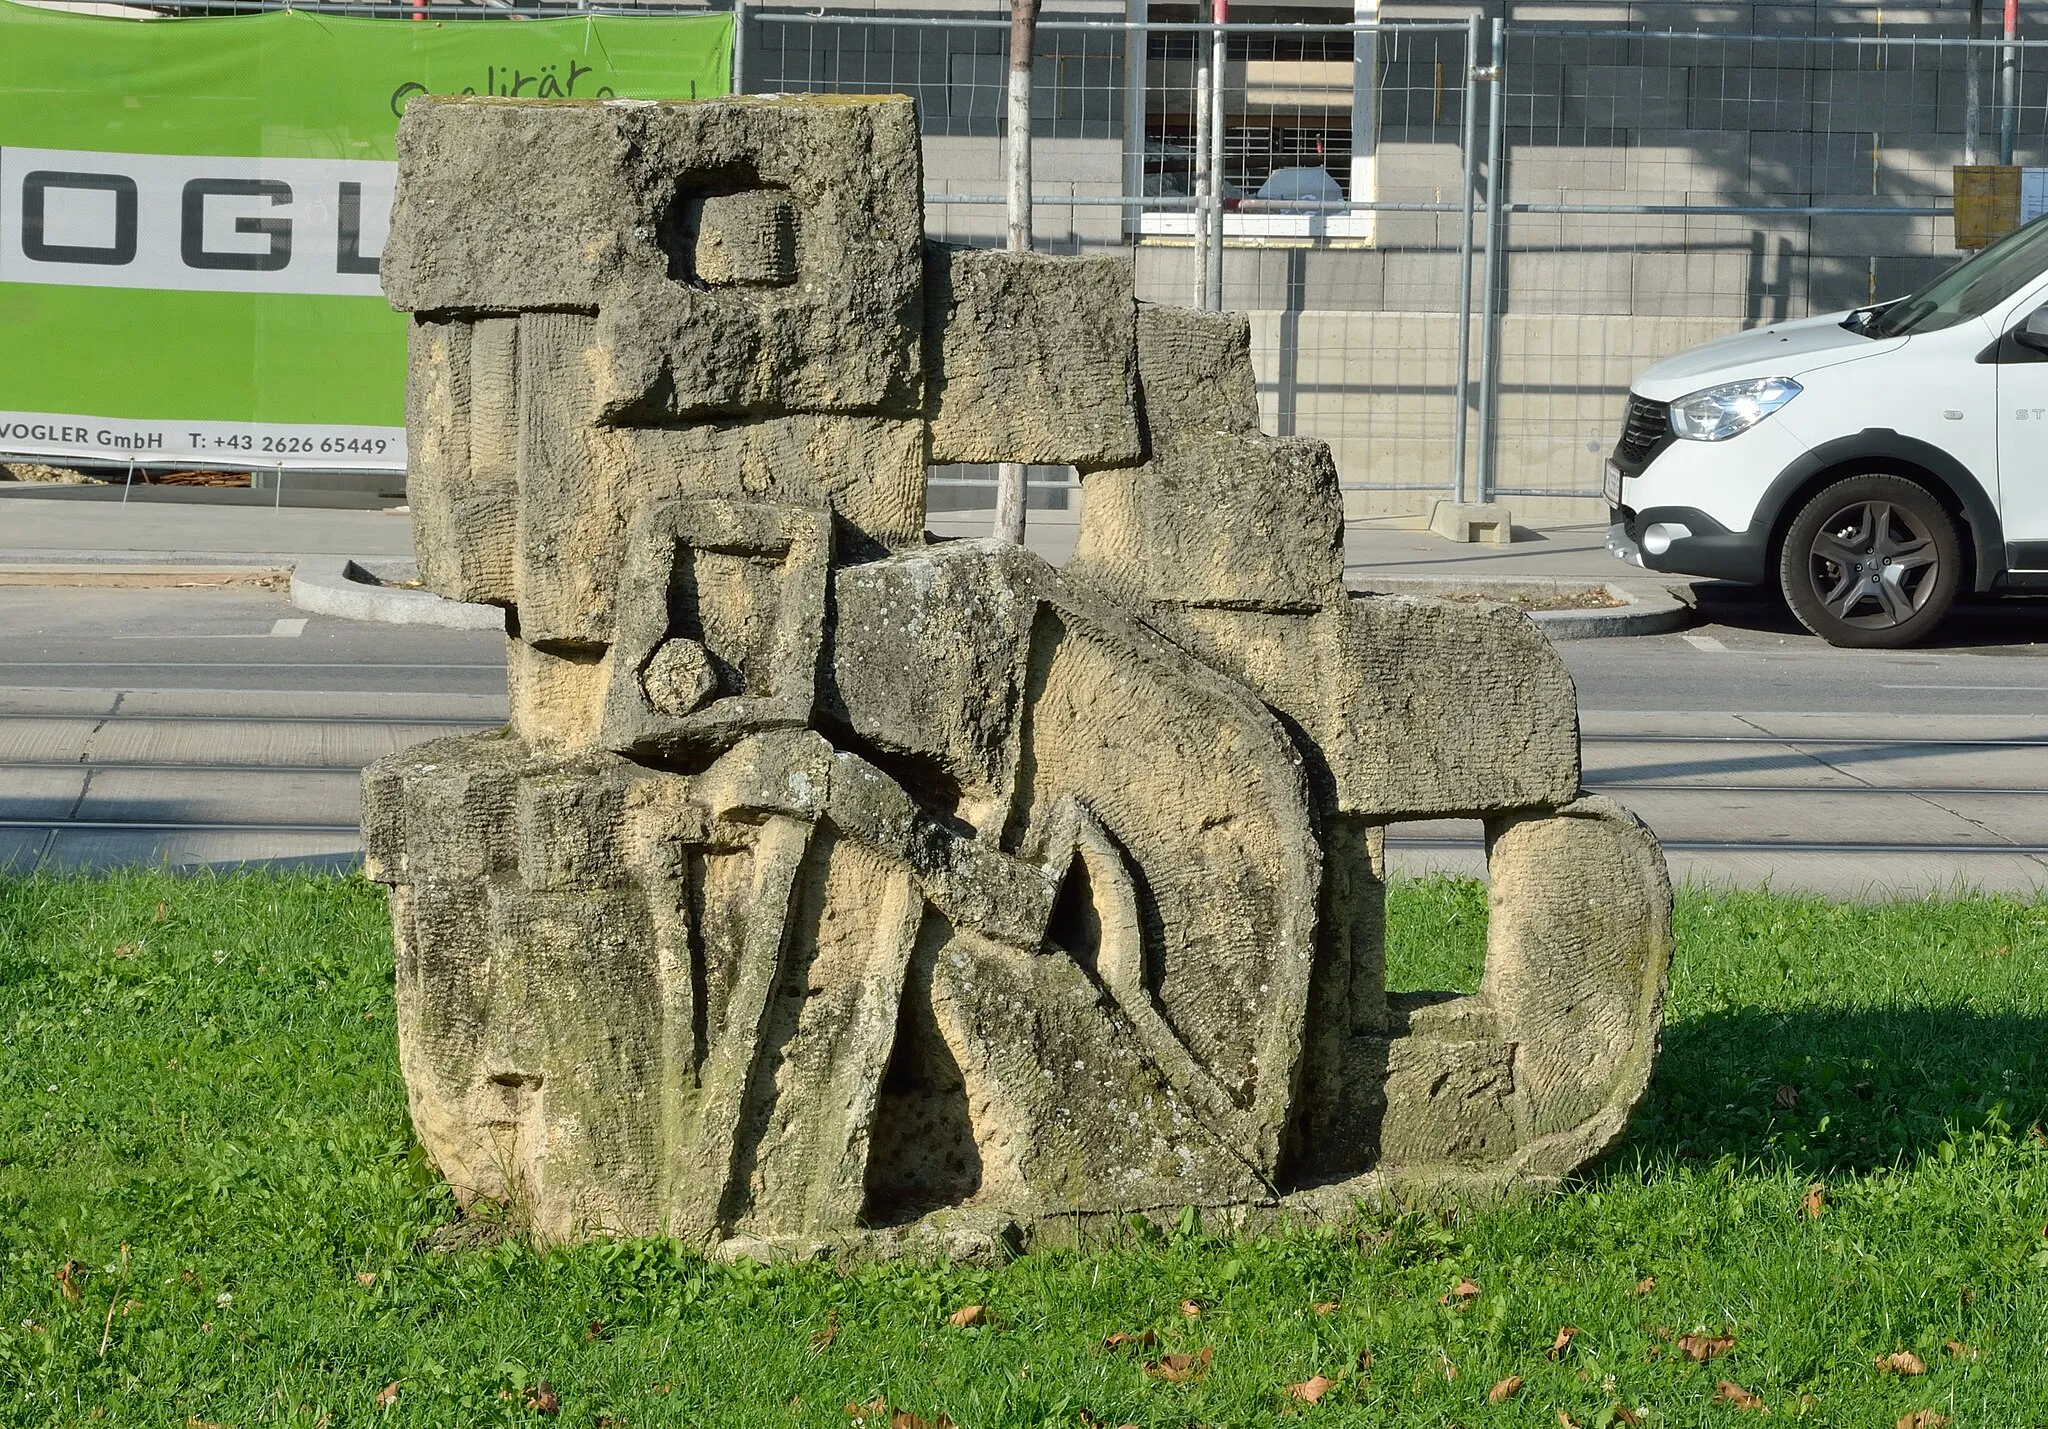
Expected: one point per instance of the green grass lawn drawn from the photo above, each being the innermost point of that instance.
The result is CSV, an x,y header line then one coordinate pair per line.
x,y
211,1213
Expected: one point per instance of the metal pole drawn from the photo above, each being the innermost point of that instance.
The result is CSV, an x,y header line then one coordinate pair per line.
x,y
1137,52
1010,475
1489,323
1218,57
1470,150
1973,87
739,46
2008,84
1199,160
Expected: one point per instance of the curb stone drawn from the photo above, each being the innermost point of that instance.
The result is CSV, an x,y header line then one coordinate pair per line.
x,y
360,590
1645,608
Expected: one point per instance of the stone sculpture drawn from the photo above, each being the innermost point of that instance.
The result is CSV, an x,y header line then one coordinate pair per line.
x,y
834,882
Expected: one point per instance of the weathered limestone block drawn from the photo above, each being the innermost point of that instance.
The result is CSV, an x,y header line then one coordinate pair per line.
x,y
1414,708
1027,702
1030,358
833,886
510,206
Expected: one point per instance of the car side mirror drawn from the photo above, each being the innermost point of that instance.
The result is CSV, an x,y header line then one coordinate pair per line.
x,y
2034,331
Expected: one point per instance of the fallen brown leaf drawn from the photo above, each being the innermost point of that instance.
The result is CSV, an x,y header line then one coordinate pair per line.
x,y
388,1395
1901,1362
1182,1369
1957,1350
1310,1390
67,1280
1462,1294
967,1316
1625,1415
1131,1340
1727,1391
1323,1307
595,1330
1816,1201
822,1340
1701,1348
904,1419
873,1409
542,1399
1646,1285
366,1278
2003,950
1191,1308
193,1421
1922,1419
1563,1342
1365,1361
1507,1389
163,911
1564,1421
1787,1098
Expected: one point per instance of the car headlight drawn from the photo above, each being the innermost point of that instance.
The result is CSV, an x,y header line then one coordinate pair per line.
x,y
1721,412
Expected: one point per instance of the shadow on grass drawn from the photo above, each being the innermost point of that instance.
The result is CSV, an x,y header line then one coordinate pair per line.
x,y
1838,1092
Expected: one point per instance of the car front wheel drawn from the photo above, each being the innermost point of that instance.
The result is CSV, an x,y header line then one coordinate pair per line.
x,y
1871,562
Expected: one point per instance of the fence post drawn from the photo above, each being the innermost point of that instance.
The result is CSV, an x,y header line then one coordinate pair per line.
x,y
1218,59
1973,86
2008,83
1011,476
1469,149
1489,323
1198,172
739,46
1137,52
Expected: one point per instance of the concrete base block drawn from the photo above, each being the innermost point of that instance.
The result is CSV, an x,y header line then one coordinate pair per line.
x,y
1484,523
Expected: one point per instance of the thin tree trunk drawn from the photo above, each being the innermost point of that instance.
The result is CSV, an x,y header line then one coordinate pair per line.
x,y
1023,39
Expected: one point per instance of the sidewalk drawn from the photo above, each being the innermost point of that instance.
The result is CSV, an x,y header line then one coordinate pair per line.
x,y
40,531
1391,546
50,532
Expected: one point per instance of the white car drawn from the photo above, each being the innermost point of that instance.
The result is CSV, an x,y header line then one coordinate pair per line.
x,y
1871,464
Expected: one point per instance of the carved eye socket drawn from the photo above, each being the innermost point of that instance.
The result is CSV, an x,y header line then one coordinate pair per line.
x,y
740,239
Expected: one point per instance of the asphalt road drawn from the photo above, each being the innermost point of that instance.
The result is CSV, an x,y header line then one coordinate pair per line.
x,y
221,725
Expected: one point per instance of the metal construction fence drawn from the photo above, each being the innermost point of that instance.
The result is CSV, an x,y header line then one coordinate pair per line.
x,y
1458,240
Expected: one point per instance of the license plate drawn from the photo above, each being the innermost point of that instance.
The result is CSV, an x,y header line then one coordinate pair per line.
x,y
1611,486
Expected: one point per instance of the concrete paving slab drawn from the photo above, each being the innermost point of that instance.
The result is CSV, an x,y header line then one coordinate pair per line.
x,y
487,708
222,796
166,533
56,700
1932,766
93,850
1901,727
22,849
1815,815
46,739
1614,768
299,743
40,793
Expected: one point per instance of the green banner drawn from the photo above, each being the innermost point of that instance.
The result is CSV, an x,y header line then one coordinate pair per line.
x,y
191,212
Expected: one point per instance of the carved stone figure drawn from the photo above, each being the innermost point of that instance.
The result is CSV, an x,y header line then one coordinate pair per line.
x,y
833,880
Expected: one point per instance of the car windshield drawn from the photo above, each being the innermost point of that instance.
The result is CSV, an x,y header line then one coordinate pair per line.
x,y
1970,289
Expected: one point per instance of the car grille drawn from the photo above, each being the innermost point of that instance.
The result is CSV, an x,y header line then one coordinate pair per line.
x,y
1644,429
